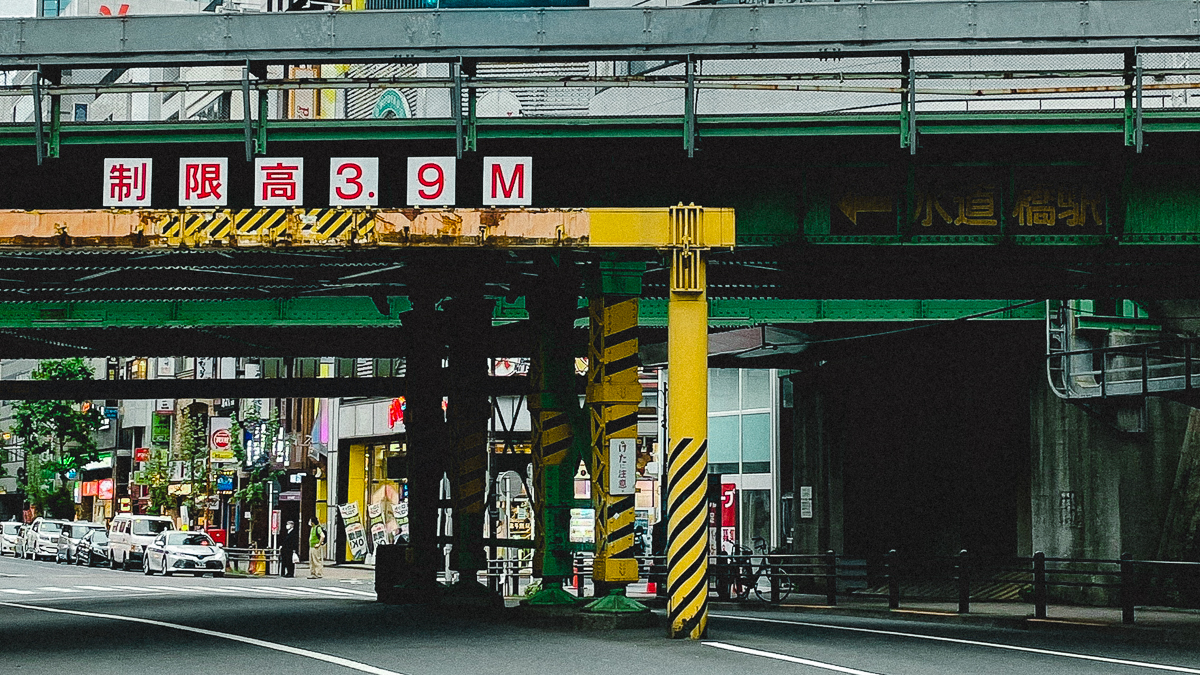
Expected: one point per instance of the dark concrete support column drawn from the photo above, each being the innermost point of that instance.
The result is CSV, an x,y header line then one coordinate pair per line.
x,y
424,423
467,416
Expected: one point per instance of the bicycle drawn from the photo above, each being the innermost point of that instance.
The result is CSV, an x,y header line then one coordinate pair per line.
x,y
748,577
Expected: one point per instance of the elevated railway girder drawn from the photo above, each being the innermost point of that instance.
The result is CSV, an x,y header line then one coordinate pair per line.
x,y
584,33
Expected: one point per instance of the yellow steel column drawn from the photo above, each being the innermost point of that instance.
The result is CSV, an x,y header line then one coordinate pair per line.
x,y
687,431
613,395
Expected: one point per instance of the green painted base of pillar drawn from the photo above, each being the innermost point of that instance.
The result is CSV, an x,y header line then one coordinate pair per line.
x,y
467,587
552,595
616,602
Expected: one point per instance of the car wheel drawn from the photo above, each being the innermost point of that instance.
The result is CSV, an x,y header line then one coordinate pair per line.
x,y
125,564
146,567
112,562
218,575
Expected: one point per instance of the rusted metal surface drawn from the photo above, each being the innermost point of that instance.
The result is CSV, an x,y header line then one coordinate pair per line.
x,y
326,227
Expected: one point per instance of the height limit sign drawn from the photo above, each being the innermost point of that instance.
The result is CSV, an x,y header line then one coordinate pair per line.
x,y
622,466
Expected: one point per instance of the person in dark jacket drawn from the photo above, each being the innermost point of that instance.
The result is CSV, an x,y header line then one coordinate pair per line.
x,y
289,545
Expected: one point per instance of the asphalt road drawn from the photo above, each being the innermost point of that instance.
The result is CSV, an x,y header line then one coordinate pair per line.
x,y
56,619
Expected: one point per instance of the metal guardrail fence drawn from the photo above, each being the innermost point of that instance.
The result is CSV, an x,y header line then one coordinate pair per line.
x,y
255,561
1037,579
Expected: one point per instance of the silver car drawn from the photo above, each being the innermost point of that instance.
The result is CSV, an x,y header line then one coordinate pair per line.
x,y
68,539
192,552
10,534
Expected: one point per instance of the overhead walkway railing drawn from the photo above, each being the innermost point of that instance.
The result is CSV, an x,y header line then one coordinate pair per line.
x,y
1091,355
280,227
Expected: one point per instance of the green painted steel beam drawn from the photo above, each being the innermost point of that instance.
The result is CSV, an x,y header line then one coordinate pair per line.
x,y
333,311
736,312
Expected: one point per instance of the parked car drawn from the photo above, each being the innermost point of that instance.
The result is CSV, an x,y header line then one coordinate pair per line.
x,y
41,539
10,533
128,536
69,538
20,551
193,552
93,548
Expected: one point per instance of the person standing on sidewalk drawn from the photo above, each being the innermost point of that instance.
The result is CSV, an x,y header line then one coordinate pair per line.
x,y
289,547
316,549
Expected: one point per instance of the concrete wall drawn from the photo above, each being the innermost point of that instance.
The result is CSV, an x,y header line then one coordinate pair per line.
x,y
1099,491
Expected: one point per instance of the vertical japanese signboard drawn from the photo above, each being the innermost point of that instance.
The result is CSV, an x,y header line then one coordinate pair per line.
x,y
278,181
379,534
622,466
728,516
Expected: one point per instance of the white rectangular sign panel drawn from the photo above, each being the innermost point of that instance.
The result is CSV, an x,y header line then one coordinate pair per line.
x,y
622,466
431,181
127,181
354,181
278,181
203,181
508,181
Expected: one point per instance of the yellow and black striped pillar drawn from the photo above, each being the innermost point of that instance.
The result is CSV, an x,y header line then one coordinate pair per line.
x,y
687,445
613,395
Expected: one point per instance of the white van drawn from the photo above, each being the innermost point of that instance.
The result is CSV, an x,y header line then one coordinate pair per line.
x,y
128,536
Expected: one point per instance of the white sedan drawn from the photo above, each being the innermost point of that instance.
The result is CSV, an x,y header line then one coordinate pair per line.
x,y
192,552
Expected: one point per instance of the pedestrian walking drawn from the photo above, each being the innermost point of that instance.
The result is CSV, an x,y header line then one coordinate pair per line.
x,y
316,549
289,547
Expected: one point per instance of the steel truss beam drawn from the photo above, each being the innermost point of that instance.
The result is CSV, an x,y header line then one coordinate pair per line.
x,y
958,26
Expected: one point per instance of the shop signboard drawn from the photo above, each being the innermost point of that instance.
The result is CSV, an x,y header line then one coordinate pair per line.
x,y
164,406
622,466
225,482
728,516
583,526
160,431
379,533
400,513
141,454
220,440
90,488
356,535
104,489
275,515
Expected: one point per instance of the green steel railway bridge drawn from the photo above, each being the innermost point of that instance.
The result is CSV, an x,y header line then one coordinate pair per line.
x,y
195,185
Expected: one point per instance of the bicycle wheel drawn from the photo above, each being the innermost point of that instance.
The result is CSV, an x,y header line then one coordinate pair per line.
x,y
740,590
763,591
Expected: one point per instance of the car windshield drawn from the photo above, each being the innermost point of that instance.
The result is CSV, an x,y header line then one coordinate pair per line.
x,y
11,528
49,527
150,526
188,539
78,531
100,537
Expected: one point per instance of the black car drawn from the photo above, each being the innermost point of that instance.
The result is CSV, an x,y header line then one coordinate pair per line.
x,y
92,548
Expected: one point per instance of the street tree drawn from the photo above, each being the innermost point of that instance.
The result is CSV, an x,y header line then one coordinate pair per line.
x,y
57,437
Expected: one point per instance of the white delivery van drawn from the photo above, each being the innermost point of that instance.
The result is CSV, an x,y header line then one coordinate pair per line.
x,y
128,536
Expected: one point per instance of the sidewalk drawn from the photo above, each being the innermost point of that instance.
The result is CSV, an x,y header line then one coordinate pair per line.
x,y
1161,623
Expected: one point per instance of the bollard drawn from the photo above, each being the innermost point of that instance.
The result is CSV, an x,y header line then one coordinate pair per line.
x,y
889,564
1039,585
1127,588
964,582
830,578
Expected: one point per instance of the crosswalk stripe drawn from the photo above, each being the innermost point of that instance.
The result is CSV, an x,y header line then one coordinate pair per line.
x,y
279,590
97,588
351,590
58,589
326,591
15,591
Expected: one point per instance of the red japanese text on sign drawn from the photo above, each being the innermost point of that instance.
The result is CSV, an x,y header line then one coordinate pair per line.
x,y
279,181
202,181
127,182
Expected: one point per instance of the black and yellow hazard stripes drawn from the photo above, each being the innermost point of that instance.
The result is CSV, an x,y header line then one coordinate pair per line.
x,y
299,225
687,451
613,395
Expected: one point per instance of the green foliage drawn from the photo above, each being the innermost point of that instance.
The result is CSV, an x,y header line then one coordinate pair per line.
x,y
57,436
157,475
191,447
260,469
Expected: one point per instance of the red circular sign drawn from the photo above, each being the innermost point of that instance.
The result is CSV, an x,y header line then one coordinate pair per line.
x,y
221,439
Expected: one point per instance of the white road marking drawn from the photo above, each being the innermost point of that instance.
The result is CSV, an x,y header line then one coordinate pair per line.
x,y
789,659
318,656
15,591
57,589
975,643
98,588
351,590
336,592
